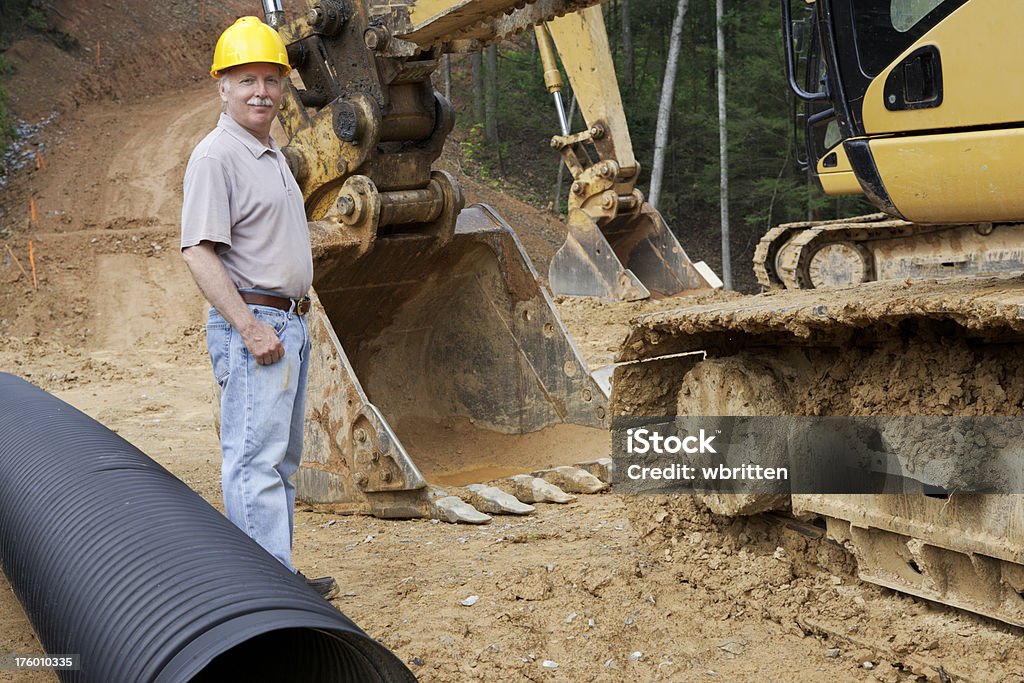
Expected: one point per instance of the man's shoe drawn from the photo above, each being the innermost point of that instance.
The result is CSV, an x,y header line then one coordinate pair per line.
x,y
325,586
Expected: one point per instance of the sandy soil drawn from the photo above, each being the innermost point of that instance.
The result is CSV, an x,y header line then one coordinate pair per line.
x,y
610,587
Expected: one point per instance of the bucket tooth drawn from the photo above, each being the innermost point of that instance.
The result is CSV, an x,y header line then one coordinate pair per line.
x,y
602,468
572,479
455,510
531,489
492,500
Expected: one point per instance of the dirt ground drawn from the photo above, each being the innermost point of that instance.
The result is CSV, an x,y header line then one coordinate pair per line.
x,y
608,588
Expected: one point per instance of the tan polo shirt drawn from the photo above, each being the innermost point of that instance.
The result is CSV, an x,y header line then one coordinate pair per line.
x,y
241,195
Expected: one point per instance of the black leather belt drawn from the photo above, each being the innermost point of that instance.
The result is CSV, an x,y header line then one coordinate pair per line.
x,y
300,306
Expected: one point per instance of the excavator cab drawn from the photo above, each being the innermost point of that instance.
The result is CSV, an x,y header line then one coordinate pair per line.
x,y
902,103
817,138
902,95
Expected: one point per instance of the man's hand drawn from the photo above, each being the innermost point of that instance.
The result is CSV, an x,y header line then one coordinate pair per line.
x,y
209,273
263,343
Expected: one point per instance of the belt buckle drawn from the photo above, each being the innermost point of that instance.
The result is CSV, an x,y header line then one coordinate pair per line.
x,y
302,305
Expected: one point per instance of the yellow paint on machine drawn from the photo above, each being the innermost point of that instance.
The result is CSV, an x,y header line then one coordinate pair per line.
x,y
980,48
837,178
432,20
950,177
582,43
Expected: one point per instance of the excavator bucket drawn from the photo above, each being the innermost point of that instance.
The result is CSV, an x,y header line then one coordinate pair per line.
x,y
635,256
438,363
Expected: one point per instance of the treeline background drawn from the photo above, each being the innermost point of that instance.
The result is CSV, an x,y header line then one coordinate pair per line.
x,y
765,185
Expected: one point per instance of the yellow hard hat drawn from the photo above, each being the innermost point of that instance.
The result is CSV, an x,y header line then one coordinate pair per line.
x,y
246,41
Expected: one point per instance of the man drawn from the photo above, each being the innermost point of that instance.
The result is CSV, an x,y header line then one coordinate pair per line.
x,y
245,240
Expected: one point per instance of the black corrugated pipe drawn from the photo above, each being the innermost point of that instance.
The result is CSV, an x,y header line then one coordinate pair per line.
x,y
117,561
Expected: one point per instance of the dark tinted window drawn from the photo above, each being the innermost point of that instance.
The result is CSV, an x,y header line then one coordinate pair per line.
x,y
885,28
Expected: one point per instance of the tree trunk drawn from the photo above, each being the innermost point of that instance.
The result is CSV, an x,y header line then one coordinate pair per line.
x,y
491,95
665,106
723,151
448,77
478,87
628,66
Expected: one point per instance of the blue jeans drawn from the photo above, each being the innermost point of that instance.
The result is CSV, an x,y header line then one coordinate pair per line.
x,y
261,419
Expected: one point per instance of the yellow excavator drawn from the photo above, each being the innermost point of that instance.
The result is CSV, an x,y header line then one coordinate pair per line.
x,y
904,103
908,103
439,357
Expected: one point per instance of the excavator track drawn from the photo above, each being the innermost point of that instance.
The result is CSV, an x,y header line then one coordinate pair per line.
x,y
949,349
767,249
812,254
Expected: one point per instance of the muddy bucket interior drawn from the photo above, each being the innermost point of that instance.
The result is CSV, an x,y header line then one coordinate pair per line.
x,y
462,352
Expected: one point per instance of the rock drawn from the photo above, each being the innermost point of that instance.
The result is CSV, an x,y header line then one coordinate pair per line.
x,y
471,600
868,665
572,479
636,656
602,468
530,489
548,664
832,652
492,500
453,509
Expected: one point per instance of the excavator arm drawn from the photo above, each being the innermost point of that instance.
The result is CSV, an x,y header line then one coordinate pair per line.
x,y
618,246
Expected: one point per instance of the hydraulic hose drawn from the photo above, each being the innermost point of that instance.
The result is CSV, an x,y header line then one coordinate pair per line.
x,y
117,561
